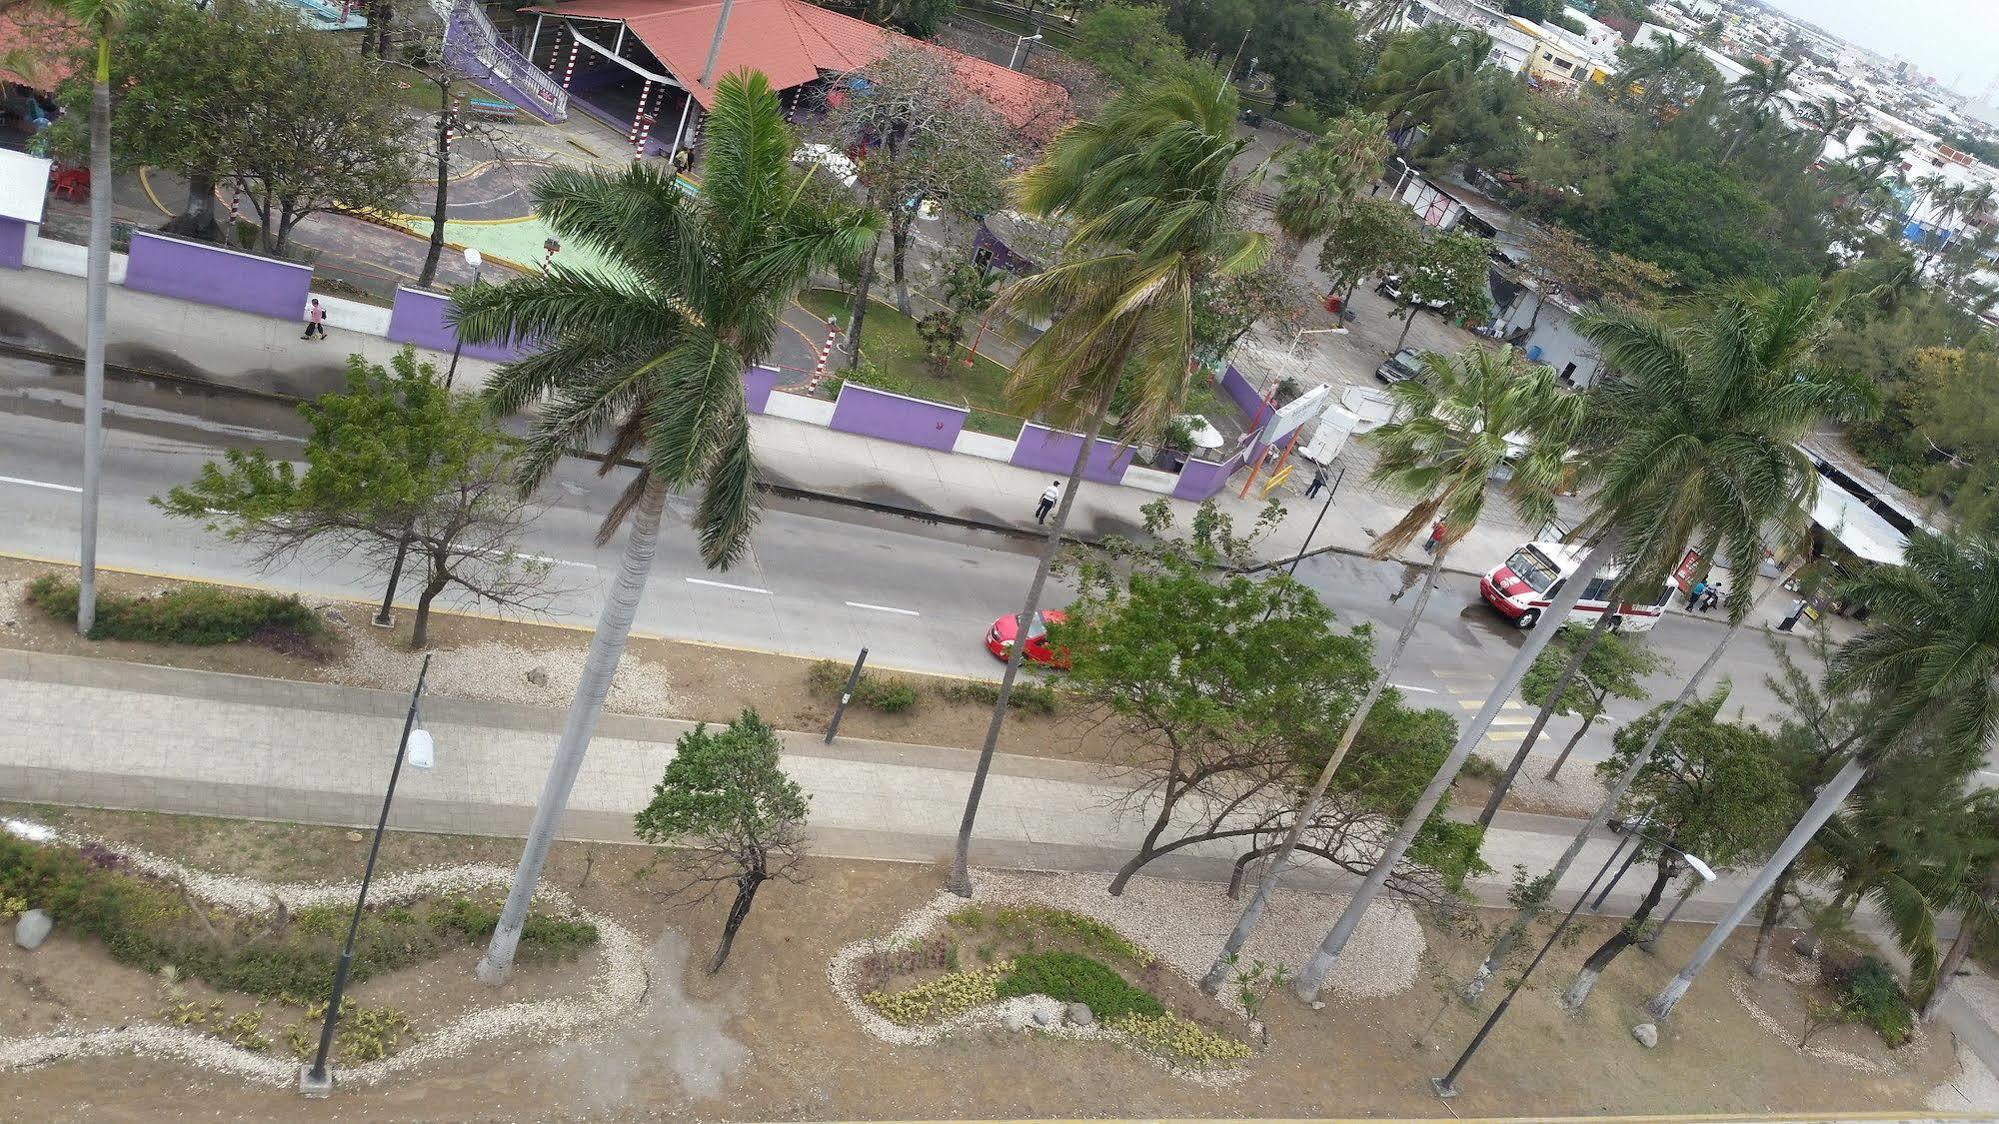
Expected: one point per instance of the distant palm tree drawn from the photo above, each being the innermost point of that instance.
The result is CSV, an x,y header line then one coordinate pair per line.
x,y
1763,84
1929,663
654,356
1877,156
1464,417
1424,72
1668,69
1148,188
1322,178
1824,117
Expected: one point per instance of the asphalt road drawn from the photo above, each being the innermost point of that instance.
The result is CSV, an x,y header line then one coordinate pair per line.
x,y
821,579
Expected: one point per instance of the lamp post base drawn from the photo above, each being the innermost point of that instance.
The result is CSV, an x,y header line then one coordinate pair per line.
x,y
1444,1088
317,1088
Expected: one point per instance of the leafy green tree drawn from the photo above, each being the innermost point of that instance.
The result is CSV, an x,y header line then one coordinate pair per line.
x,y
1155,210
920,18
657,361
396,464
1131,44
1692,219
1450,271
732,814
1372,233
1422,73
1322,179
1480,127
1307,49
1714,789
1614,667
1227,306
1454,416
1930,665
1561,262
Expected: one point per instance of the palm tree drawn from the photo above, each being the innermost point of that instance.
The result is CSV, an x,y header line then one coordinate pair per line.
x,y
100,19
1463,419
1694,442
654,355
1930,668
1824,117
1422,73
1664,70
1875,157
1763,84
1148,188
1319,180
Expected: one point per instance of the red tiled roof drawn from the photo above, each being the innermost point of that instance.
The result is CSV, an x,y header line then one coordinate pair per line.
x,y
45,36
792,42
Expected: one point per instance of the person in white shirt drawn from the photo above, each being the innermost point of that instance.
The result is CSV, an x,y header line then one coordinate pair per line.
x,y
1050,496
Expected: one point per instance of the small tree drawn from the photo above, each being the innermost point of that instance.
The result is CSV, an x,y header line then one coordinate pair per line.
x,y
726,800
1372,233
1615,668
1449,271
394,465
1560,261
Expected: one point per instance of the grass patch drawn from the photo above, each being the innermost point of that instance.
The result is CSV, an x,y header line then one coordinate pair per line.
x,y
1034,698
1300,117
890,344
192,614
1074,978
876,692
1028,925
153,924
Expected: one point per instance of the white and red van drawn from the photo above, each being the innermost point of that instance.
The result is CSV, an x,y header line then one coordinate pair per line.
x,y
1524,586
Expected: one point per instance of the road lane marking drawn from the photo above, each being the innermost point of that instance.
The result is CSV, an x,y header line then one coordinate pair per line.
x,y
40,484
883,608
726,585
1418,690
559,561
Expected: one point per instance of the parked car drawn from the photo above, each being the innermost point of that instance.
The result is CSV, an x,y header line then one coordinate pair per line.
x,y
1401,366
999,639
1391,287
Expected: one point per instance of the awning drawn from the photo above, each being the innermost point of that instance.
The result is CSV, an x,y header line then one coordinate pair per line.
x,y
1858,527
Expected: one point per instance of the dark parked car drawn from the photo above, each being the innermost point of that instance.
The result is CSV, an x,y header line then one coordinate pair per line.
x,y
1401,366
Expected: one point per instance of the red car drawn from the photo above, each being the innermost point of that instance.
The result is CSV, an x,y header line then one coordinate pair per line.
x,y
999,638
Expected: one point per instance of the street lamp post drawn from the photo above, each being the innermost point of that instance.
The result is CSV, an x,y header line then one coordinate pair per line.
x,y
1447,1085
1018,43
316,1080
385,617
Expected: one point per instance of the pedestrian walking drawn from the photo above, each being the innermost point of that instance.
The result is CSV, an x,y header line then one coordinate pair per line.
x,y
1790,620
1694,592
315,321
1437,530
1050,496
1318,484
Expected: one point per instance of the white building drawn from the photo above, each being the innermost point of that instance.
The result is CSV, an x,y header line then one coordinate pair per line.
x,y
1512,47
1649,35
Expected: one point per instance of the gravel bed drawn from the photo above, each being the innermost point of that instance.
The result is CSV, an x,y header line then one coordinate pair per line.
x,y
499,673
1576,791
614,995
1974,1090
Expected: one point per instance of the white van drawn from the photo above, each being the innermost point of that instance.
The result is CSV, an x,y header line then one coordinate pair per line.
x,y
1524,586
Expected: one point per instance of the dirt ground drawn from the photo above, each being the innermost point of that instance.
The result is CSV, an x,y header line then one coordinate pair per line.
x,y
767,1039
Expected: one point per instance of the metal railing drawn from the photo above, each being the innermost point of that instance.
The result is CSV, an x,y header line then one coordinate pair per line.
x,y
475,48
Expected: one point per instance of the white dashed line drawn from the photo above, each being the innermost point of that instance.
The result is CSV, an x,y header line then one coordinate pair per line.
x,y
726,585
1418,690
883,608
559,561
40,484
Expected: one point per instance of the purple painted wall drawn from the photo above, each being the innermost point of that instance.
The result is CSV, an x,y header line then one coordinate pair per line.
x,y
1052,450
893,417
1245,396
13,240
758,382
418,317
1201,479
212,275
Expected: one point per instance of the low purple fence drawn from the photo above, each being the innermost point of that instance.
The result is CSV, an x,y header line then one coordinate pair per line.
x,y
13,242
418,317
1202,479
896,417
1246,399
213,275
1052,450
758,382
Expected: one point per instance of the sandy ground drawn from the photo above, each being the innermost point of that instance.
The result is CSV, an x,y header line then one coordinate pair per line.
x,y
767,1038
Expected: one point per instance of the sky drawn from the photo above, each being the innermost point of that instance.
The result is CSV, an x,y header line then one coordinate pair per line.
x,y
1947,38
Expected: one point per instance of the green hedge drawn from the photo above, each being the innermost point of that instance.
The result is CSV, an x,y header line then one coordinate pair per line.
x,y
1875,997
876,692
147,923
1074,978
191,614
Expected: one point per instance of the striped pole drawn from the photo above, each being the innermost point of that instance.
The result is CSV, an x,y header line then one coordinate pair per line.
x,y
235,207
575,45
637,133
819,369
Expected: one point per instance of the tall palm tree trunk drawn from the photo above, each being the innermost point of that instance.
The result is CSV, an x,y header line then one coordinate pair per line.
x,y
607,647
97,292
1773,912
1313,977
1525,916
961,873
1960,947
1548,705
1830,797
1274,869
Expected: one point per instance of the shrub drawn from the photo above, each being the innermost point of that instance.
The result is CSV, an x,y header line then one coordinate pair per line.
x,y
890,696
1180,1040
941,998
1026,923
1482,769
191,614
1035,698
1875,997
1074,978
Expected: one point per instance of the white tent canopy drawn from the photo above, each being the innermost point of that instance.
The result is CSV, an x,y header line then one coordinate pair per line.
x,y
1858,527
24,182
